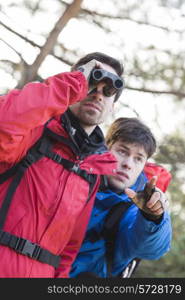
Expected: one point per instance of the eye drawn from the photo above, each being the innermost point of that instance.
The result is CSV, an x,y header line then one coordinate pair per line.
x,y
139,159
122,151
108,91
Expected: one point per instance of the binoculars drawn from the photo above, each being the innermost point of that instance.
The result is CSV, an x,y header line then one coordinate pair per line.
x,y
113,82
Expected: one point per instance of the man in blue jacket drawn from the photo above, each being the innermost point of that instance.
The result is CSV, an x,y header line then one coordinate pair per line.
x,y
144,229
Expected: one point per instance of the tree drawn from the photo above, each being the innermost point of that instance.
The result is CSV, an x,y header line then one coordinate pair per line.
x,y
148,36
147,68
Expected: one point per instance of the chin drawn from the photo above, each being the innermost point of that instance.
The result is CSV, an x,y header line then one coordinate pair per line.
x,y
89,116
118,185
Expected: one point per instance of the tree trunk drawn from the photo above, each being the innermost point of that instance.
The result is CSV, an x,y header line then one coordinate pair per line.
x,y
30,73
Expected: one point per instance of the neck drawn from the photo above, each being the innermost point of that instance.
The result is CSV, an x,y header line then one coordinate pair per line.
x,y
88,128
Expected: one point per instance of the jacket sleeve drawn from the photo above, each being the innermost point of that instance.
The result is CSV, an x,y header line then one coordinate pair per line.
x,y
23,110
71,250
142,238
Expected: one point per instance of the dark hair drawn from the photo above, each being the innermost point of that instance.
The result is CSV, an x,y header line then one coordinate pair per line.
x,y
132,131
103,58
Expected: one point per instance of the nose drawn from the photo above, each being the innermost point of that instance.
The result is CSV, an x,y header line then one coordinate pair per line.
x,y
97,93
127,163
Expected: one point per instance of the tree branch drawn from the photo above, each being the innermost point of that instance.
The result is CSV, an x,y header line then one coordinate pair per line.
x,y
172,92
100,25
20,35
18,53
122,17
71,11
32,43
94,13
131,108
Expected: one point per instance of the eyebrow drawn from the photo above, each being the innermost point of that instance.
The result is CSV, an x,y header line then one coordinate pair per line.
x,y
128,149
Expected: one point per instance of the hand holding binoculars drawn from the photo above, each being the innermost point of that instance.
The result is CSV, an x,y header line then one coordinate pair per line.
x,y
95,75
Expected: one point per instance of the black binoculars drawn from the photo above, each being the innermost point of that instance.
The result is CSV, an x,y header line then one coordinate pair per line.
x,y
113,82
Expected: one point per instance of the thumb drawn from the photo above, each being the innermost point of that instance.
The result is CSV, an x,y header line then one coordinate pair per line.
x,y
149,187
134,197
152,182
130,193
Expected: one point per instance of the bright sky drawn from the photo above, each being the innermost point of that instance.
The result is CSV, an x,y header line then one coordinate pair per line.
x,y
90,39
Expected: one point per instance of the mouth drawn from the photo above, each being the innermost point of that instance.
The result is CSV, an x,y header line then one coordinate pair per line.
x,y
122,175
92,105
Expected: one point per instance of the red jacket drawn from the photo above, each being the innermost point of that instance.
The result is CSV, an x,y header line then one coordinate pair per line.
x,y
50,205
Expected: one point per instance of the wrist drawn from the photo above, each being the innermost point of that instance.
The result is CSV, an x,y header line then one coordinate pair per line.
x,y
155,218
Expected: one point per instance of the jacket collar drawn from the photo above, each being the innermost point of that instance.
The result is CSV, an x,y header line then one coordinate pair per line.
x,y
85,144
108,197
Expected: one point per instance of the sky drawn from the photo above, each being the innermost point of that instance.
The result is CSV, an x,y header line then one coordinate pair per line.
x,y
90,38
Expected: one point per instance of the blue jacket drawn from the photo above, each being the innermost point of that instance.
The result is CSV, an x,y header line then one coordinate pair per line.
x,y
137,236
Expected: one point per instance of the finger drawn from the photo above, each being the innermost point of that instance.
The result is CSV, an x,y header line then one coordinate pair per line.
x,y
152,182
96,64
158,195
133,196
88,67
158,212
154,199
130,193
149,188
99,65
156,206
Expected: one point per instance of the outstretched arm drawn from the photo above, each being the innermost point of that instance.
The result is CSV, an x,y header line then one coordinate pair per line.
x,y
152,201
145,231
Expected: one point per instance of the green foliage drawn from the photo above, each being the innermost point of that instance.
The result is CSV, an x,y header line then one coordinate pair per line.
x,y
172,150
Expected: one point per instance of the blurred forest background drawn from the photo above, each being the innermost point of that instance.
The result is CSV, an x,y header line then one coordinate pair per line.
x,y
40,38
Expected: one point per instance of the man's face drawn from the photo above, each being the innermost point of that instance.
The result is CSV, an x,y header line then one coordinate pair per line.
x,y
94,109
131,160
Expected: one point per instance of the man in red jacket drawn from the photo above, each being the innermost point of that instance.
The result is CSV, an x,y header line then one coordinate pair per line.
x,y
52,154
